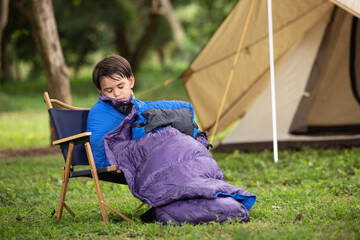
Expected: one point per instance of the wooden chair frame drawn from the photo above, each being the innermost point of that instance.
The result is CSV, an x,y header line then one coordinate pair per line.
x,y
67,173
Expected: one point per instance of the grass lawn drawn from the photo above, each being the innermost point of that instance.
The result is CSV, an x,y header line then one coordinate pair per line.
x,y
309,194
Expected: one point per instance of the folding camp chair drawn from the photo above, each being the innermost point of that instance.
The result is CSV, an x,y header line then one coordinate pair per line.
x,y
70,127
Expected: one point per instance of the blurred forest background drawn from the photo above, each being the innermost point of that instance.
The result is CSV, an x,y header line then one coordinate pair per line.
x,y
159,36
53,46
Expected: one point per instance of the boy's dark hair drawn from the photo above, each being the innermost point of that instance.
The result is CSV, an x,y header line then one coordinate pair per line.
x,y
109,66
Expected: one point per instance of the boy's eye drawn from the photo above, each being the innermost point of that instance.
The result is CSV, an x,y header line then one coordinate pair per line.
x,y
109,90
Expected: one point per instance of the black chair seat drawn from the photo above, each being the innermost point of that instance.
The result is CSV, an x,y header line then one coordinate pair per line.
x,y
108,174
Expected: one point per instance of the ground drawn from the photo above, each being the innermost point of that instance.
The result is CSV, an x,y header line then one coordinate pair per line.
x,y
28,152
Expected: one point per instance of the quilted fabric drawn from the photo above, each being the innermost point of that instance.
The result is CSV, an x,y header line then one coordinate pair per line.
x,y
176,174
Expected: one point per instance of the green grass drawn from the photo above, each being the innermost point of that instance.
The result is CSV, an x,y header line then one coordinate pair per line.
x,y
322,185
24,129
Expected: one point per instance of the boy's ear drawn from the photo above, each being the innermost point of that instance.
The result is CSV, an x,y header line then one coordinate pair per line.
x,y
132,81
98,90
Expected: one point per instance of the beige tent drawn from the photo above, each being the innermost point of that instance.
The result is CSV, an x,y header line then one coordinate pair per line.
x,y
317,63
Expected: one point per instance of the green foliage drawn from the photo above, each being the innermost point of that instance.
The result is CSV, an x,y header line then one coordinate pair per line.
x,y
309,194
91,30
192,15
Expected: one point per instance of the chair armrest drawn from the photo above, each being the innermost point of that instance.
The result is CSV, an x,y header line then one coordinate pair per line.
x,y
71,138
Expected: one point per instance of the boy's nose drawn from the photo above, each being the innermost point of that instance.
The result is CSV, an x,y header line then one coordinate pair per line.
x,y
116,92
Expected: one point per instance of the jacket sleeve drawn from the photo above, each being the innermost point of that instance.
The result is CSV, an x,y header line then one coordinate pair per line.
x,y
152,115
102,119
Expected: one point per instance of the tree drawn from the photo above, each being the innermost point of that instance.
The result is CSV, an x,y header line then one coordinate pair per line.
x,y
18,46
3,21
41,16
44,30
81,31
164,7
136,24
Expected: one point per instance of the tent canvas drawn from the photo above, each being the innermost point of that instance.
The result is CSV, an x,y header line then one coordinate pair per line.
x,y
314,49
351,6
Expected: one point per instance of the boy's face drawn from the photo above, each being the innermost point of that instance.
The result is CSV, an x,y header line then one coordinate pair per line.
x,y
117,87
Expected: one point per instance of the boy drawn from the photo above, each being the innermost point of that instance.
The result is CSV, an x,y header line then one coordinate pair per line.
x,y
164,157
114,81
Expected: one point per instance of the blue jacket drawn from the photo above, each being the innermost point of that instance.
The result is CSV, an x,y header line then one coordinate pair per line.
x,y
104,118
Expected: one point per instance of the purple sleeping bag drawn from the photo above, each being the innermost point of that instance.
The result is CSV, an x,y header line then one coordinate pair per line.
x,y
176,175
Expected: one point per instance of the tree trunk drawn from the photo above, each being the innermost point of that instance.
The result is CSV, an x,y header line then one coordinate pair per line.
x,y
122,43
3,21
164,8
41,16
135,55
44,30
6,72
144,42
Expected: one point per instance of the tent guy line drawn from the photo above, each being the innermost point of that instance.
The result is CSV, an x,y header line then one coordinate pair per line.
x,y
243,34
243,94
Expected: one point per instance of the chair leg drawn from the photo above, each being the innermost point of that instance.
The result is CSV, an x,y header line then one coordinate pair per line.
x,y
65,178
140,206
69,210
96,182
117,212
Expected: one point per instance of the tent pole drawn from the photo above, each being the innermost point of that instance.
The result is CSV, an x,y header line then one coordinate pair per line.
x,y
272,80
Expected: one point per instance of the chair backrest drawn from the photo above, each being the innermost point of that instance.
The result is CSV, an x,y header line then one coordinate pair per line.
x,y
68,122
